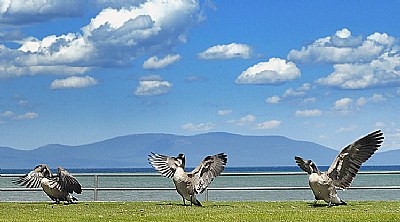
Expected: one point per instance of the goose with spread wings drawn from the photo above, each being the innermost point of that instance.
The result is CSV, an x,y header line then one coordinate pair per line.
x,y
58,187
343,169
188,184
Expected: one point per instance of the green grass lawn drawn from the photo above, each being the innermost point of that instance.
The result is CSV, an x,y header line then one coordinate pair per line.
x,y
211,211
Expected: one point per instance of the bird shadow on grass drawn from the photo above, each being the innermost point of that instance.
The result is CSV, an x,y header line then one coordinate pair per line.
x,y
188,205
318,205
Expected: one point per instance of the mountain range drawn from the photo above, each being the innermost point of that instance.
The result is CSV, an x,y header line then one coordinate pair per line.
x,y
132,151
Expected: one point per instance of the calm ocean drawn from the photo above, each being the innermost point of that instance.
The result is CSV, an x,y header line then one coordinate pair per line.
x,y
223,181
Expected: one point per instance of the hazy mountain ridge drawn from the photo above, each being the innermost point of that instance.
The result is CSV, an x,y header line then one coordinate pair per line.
x,y
132,151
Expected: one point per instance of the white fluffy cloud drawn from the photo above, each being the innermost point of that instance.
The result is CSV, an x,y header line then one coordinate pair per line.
x,y
308,113
343,103
21,12
73,82
156,63
375,98
245,120
273,100
198,127
27,116
152,86
271,124
229,51
298,92
380,72
274,71
344,48
358,63
115,37
8,114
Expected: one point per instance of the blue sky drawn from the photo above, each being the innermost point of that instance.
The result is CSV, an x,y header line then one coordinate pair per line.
x,y
76,72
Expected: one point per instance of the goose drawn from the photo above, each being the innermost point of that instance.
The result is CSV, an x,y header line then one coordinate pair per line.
x,y
58,187
343,169
188,184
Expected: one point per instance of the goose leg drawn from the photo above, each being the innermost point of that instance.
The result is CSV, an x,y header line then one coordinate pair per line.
x,y
191,198
184,203
315,203
330,201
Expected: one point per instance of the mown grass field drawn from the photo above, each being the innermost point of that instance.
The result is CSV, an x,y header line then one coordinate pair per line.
x,y
211,211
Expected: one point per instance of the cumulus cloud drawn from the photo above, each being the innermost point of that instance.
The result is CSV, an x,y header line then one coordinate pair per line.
x,y
229,51
358,63
273,100
275,71
309,100
27,116
152,86
378,73
224,112
73,82
308,113
156,63
8,114
344,48
22,12
298,92
271,124
114,37
198,127
375,98
245,120
343,103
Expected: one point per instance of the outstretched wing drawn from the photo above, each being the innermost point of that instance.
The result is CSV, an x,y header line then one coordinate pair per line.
x,y
346,165
166,165
68,182
34,178
207,170
303,164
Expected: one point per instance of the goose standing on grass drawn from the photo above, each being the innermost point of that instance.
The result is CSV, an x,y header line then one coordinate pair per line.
x,y
188,184
343,169
58,187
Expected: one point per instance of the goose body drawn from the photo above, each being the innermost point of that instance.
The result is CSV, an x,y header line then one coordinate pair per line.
x,y
343,169
188,184
58,187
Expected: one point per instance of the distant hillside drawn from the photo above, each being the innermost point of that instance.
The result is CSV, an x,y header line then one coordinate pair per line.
x,y
132,151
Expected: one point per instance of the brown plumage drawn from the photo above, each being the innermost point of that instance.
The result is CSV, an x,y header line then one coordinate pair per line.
x,y
343,170
58,187
188,184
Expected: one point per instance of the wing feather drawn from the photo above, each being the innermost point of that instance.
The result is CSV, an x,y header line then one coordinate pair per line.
x,y
166,165
303,164
346,165
207,170
68,182
31,179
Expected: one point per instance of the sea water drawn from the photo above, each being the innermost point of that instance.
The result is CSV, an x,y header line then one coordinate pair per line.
x,y
155,181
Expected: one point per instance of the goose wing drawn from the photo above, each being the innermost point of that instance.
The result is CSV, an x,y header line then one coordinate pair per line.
x,y
68,182
346,165
30,180
166,165
303,164
33,179
207,170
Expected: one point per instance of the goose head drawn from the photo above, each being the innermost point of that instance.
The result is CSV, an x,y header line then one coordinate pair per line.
x,y
43,169
180,160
